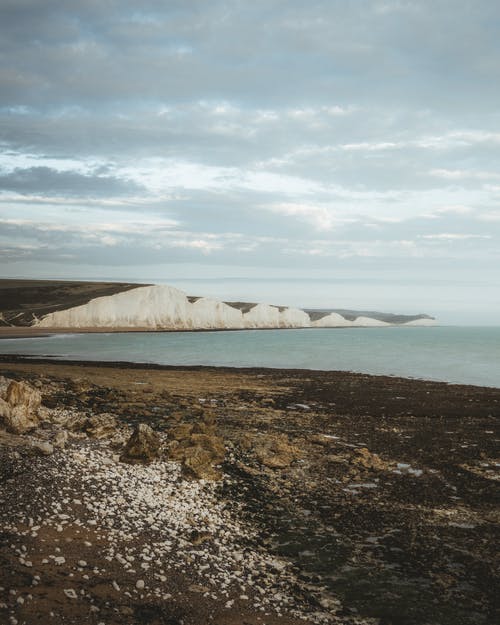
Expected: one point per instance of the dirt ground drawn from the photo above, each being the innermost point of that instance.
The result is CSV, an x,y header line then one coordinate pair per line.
x,y
390,502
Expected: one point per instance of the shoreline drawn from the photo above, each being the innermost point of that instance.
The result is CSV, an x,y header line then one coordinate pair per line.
x,y
19,332
151,366
342,478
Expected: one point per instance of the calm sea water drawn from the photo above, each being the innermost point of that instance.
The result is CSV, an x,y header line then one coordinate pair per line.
x,y
451,354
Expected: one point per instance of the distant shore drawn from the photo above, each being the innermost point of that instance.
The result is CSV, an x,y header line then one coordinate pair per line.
x,y
25,332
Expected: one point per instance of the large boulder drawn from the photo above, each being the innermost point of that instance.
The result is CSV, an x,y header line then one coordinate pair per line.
x,y
198,448
101,425
19,407
275,451
142,447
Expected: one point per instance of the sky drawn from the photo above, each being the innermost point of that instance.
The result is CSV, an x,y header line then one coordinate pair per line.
x,y
318,153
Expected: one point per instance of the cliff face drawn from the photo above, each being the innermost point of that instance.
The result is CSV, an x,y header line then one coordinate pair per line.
x,y
207,313
144,307
294,318
333,320
164,307
262,316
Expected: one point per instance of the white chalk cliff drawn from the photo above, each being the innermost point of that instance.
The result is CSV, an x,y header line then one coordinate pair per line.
x,y
206,313
368,322
333,320
145,307
163,307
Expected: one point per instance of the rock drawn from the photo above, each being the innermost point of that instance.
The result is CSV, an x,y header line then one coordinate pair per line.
x,y
181,432
142,447
139,584
247,470
22,394
199,463
101,425
211,443
4,383
19,407
43,448
276,452
365,458
60,439
198,448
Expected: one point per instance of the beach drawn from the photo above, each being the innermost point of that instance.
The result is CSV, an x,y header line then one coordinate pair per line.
x,y
340,498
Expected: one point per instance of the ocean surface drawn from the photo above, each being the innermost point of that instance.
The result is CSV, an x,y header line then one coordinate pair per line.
x,y
465,355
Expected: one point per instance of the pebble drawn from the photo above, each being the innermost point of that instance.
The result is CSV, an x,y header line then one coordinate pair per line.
x,y
162,503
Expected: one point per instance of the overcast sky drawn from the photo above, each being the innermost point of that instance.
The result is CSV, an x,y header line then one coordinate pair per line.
x,y
314,153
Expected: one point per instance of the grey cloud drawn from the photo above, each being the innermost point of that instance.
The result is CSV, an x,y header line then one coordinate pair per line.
x,y
46,181
270,52
362,108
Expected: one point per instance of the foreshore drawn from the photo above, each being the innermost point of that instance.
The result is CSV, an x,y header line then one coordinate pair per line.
x,y
343,498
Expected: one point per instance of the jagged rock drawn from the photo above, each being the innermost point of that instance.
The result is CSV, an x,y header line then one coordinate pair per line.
x,y
4,383
142,447
213,444
19,407
276,451
199,463
198,448
181,432
71,422
365,458
60,439
22,394
101,426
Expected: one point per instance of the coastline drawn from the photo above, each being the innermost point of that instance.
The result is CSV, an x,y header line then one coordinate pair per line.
x,y
20,332
378,489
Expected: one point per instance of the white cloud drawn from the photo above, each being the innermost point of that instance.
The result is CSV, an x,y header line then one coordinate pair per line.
x,y
460,174
449,236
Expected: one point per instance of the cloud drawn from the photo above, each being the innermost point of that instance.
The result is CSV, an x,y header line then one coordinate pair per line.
x,y
45,181
266,134
450,236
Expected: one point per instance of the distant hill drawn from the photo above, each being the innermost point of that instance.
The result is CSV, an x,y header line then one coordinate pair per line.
x,y
21,301
71,304
351,315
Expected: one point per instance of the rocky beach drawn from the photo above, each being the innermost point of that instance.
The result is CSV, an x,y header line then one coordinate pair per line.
x,y
170,495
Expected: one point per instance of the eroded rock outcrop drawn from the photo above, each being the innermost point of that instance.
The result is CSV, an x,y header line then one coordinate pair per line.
x,y
142,447
275,451
101,426
19,406
198,448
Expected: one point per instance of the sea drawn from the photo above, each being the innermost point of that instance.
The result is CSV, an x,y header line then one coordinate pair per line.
x,y
458,355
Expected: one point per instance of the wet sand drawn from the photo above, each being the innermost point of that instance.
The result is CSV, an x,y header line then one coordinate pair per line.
x,y
386,513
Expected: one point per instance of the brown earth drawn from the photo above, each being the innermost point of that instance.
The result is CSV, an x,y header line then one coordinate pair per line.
x,y
23,300
382,490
